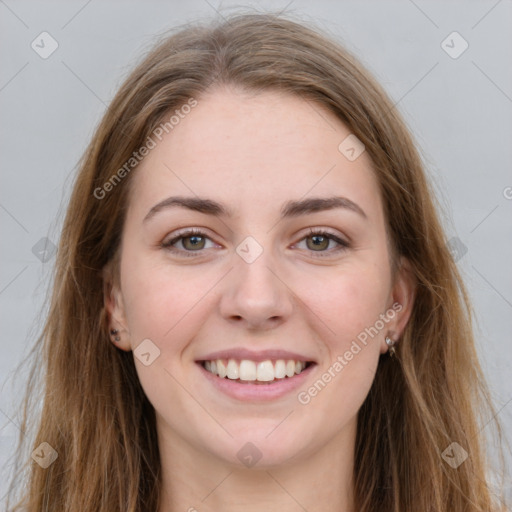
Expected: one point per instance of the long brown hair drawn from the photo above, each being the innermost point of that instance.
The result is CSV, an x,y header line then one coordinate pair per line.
x,y
94,413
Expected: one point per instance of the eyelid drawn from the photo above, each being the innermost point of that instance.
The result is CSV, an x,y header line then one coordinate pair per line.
x,y
343,244
184,232
168,242
202,232
326,231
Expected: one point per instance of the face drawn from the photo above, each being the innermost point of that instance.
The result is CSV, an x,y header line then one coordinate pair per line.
x,y
292,297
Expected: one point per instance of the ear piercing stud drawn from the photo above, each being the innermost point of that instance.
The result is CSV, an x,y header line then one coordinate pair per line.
x,y
115,334
390,343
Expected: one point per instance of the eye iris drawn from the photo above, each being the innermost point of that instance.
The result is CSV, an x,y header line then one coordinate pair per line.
x,y
197,242
319,242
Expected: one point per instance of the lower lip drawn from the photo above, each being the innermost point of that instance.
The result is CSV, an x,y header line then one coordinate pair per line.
x,y
242,391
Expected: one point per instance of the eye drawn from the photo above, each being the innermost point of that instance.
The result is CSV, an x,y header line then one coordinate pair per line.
x,y
191,240
319,240
194,241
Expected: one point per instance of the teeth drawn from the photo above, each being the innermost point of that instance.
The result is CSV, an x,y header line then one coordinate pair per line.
x,y
246,370
221,368
290,368
232,370
280,369
265,371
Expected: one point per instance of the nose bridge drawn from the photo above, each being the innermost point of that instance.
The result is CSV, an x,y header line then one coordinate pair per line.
x,y
255,293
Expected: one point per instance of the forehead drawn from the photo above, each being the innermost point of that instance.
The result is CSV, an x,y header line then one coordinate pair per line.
x,y
253,150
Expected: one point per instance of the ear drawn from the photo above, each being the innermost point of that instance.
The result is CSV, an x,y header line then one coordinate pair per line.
x,y
114,306
401,301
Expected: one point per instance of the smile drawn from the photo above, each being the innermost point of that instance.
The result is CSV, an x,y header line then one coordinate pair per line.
x,y
255,376
255,372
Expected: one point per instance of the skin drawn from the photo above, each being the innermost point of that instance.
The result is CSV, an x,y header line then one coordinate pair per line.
x,y
252,153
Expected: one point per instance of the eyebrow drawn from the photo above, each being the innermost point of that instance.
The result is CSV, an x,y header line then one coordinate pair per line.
x,y
289,209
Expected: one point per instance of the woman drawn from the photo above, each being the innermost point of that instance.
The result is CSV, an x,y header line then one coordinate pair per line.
x,y
254,305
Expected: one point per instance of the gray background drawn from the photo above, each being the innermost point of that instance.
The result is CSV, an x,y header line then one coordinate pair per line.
x,y
459,109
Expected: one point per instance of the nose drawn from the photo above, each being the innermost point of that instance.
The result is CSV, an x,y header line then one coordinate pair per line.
x,y
255,295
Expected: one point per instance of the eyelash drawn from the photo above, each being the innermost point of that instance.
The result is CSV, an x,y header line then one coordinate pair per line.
x,y
168,245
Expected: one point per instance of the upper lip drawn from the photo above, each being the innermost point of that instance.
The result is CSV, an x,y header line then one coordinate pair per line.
x,y
261,355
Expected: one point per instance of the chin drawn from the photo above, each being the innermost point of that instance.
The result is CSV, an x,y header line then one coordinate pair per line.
x,y
259,448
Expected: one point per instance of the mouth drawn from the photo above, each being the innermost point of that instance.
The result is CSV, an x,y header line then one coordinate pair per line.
x,y
247,371
255,376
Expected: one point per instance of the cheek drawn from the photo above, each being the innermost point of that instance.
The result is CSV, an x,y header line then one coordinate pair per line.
x,y
158,299
347,301
349,307
163,305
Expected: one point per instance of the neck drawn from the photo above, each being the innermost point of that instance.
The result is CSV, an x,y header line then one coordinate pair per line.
x,y
194,481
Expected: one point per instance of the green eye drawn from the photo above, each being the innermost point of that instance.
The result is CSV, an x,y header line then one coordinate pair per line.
x,y
318,242
195,242
192,240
